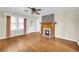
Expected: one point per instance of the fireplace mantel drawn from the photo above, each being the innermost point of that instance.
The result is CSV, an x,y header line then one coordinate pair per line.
x,y
49,25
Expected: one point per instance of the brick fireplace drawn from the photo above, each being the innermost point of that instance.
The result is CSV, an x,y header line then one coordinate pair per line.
x,y
48,29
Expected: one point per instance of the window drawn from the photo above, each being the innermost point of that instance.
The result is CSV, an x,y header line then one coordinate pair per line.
x,y
17,25
13,23
21,23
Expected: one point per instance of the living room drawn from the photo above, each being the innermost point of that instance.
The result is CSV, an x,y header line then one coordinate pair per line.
x,y
18,23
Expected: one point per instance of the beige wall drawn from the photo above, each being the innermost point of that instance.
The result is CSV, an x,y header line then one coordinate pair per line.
x,y
66,23
77,36
0,25
77,25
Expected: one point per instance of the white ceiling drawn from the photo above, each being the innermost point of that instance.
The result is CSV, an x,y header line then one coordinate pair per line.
x,y
20,10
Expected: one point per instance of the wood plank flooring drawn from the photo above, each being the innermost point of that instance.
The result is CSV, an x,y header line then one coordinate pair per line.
x,y
34,42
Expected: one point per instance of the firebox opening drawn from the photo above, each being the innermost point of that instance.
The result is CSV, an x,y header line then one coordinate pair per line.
x,y
47,32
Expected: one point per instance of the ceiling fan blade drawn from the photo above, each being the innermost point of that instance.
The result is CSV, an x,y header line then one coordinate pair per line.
x,y
37,13
38,9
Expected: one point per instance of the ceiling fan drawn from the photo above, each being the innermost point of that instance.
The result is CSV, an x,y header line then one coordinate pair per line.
x,y
34,10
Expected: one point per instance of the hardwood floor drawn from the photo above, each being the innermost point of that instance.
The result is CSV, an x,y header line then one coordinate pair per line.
x,y
34,42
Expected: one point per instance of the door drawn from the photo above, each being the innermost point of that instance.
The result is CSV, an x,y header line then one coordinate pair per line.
x,y
8,23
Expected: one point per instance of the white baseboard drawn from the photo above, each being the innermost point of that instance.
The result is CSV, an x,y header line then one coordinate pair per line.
x,y
66,38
